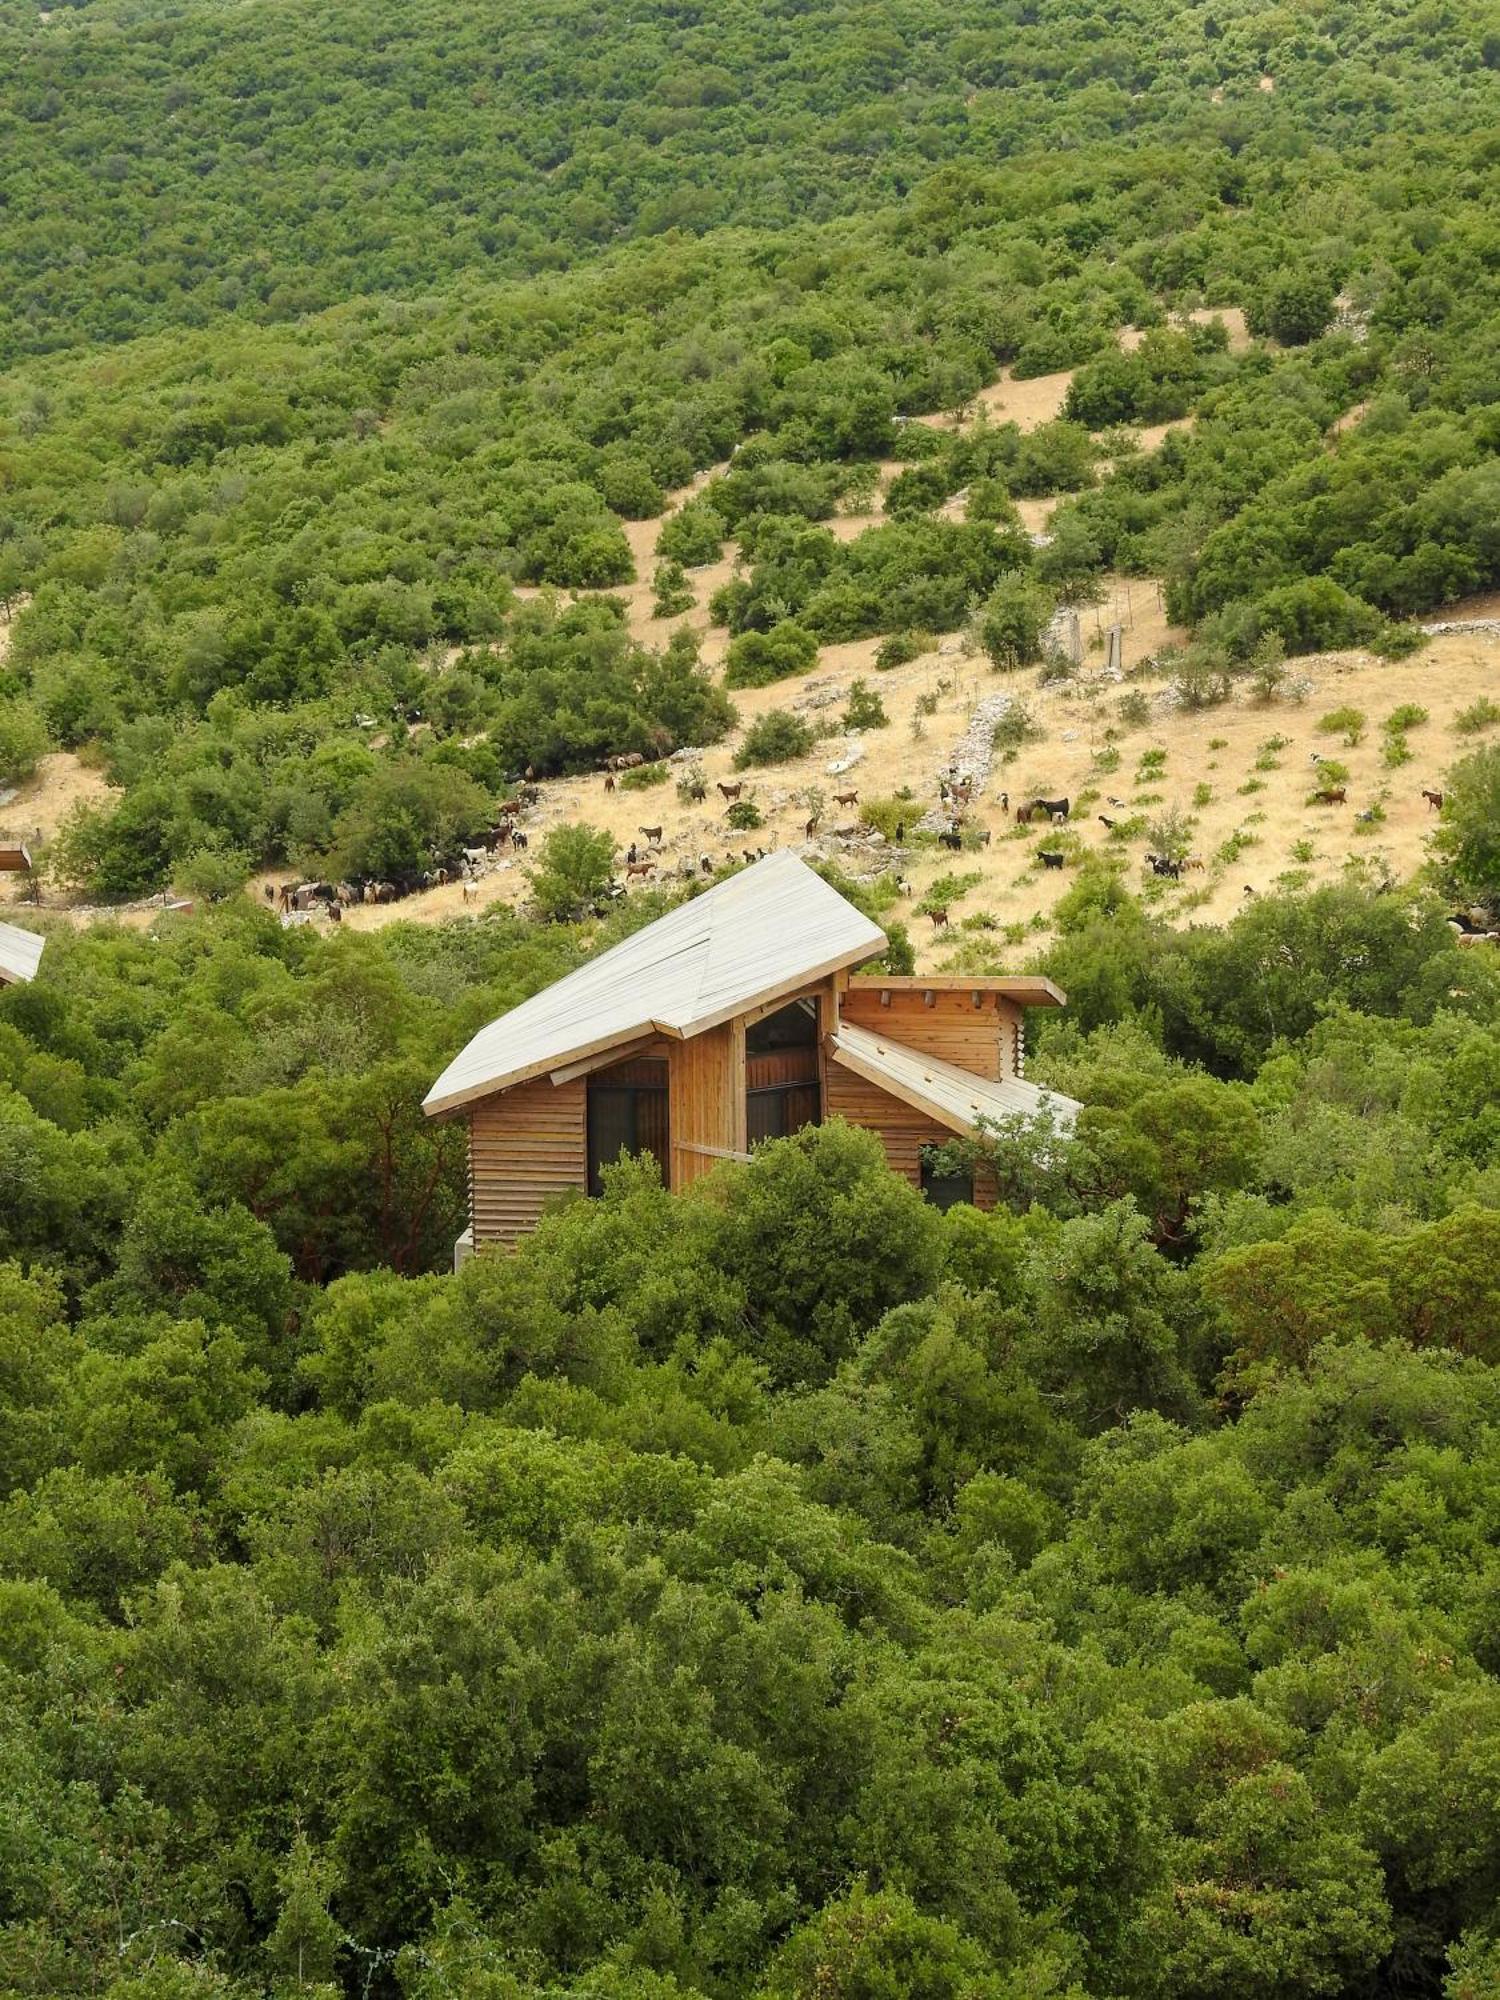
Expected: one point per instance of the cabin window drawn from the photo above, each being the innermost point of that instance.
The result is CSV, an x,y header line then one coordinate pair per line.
x,y
781,1072
627,1113
945,1190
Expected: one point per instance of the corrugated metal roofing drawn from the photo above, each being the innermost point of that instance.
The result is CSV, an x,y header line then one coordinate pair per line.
x,y
953,1096
771,928
20,954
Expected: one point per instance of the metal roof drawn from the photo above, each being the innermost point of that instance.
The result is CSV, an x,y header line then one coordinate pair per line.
x,y
954,1097
772,928
20,954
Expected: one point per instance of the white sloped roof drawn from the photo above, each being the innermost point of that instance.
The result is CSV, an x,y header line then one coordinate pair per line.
x,y
954,1097
766,931
20,954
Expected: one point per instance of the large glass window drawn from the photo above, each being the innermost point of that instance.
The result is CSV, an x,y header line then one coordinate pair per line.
x,y
627,1113
781,1072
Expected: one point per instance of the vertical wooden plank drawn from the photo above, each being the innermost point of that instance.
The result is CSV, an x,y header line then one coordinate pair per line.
x,y
703,1102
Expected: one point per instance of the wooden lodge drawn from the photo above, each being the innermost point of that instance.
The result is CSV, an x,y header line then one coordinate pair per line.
x,y
734,1018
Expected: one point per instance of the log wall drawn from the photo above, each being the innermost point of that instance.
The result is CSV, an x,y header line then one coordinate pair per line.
x,y
984,1040
525,1146
901,1129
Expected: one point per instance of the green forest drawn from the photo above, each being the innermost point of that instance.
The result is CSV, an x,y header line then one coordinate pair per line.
x,y
783,1590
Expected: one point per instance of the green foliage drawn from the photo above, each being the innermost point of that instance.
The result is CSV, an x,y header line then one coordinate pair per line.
x,y
776,737
1347,723
1013,623
755,659
864,709
1480,715
1295,306
643,778
574,868
1468,834
744,816
23,741
670,590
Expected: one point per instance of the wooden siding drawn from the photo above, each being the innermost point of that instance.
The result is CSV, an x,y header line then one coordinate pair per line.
x,y
901,1129
980,1039
707,1104
525,1146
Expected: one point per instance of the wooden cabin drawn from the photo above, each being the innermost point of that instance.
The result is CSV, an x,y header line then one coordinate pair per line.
x,y
20,954
735,1018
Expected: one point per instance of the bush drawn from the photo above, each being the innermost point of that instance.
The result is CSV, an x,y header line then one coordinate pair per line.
x,y
643,778
692,786
1398,642
1316,615
899,647
774,738
890,817
573,871
756,659
865,709
1294,308
670,591
23,741
694,535
1346,722
1409,715
1014,622
744,816
1477,717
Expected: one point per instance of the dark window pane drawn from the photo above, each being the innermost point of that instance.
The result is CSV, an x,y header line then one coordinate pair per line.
x,y
791,1027
623,1118
946,1190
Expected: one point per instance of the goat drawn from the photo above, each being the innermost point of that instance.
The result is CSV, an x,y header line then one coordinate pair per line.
x,y
519,841
641,868
750,855
652,833
1055,809
705,864
471,890
1051,860
609,781
812,826
1005,802
1023,815
1247,890
1331,795
270,893
843,798
984,837
1118,804
1161,864
476,856
951,838
731,792
939,919
1466,926
903,887
1434,801
1106,822
1194,863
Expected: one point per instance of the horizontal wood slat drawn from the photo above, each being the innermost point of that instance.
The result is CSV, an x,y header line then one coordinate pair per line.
x,y
526,1146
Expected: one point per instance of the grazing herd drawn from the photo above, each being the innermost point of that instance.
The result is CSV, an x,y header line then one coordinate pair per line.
x,y
647,858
